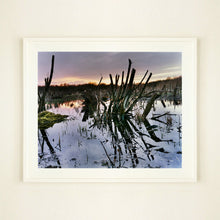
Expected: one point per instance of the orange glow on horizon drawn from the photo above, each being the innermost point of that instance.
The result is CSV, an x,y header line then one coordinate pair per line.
x,y
81,81
74,81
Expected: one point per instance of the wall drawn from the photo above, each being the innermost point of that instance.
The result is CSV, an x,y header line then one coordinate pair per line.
x,y
69,18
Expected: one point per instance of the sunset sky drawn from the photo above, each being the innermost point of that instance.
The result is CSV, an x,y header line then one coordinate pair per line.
x,y
84,67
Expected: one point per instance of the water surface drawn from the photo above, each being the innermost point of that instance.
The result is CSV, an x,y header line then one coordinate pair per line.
x,y
79,144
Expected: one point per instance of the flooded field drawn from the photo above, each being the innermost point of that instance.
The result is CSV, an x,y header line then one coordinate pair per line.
x,y
86,140
126,123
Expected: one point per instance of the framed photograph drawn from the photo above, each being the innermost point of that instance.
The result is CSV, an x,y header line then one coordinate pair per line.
x,y
109,109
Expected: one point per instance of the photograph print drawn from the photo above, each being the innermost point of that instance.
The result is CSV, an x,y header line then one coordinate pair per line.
x,y
109,110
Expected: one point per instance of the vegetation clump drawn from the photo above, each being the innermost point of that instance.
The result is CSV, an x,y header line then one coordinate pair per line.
x,y
48,119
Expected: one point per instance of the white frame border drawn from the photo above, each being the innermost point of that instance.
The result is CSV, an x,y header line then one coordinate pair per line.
x,y
188,172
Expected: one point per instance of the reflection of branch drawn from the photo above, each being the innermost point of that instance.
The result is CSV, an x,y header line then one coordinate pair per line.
x,y
42,147
149,105
113,165
44,135
160,115
159,121
41,144
150,131
43,132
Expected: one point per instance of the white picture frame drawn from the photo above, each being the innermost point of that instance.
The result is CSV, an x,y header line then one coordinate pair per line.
x,y
188,47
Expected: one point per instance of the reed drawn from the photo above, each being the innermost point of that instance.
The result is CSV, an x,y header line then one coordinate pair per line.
x,y
125,96
118,115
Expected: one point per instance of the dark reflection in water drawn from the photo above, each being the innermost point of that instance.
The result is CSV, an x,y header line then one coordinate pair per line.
x,y
51,149
123,140
89,105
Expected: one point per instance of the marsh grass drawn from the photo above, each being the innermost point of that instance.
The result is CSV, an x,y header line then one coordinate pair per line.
x,y
120,119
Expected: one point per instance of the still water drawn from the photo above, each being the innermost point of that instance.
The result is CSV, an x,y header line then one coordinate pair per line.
x,y
79,144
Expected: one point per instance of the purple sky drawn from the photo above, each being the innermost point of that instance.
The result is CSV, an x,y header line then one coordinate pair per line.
x,y
84,67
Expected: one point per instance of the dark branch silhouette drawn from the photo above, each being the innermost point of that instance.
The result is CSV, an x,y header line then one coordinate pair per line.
x,y
41,101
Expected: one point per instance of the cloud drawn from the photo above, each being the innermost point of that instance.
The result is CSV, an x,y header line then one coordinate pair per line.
x,y
80,67
172,68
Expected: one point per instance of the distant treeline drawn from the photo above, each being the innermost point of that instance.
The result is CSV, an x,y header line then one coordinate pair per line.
x,y
170,84
71,92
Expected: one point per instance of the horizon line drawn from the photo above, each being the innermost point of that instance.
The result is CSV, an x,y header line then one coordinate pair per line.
x,y
96,84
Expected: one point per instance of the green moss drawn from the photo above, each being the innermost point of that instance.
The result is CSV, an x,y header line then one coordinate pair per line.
x,y
48,119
